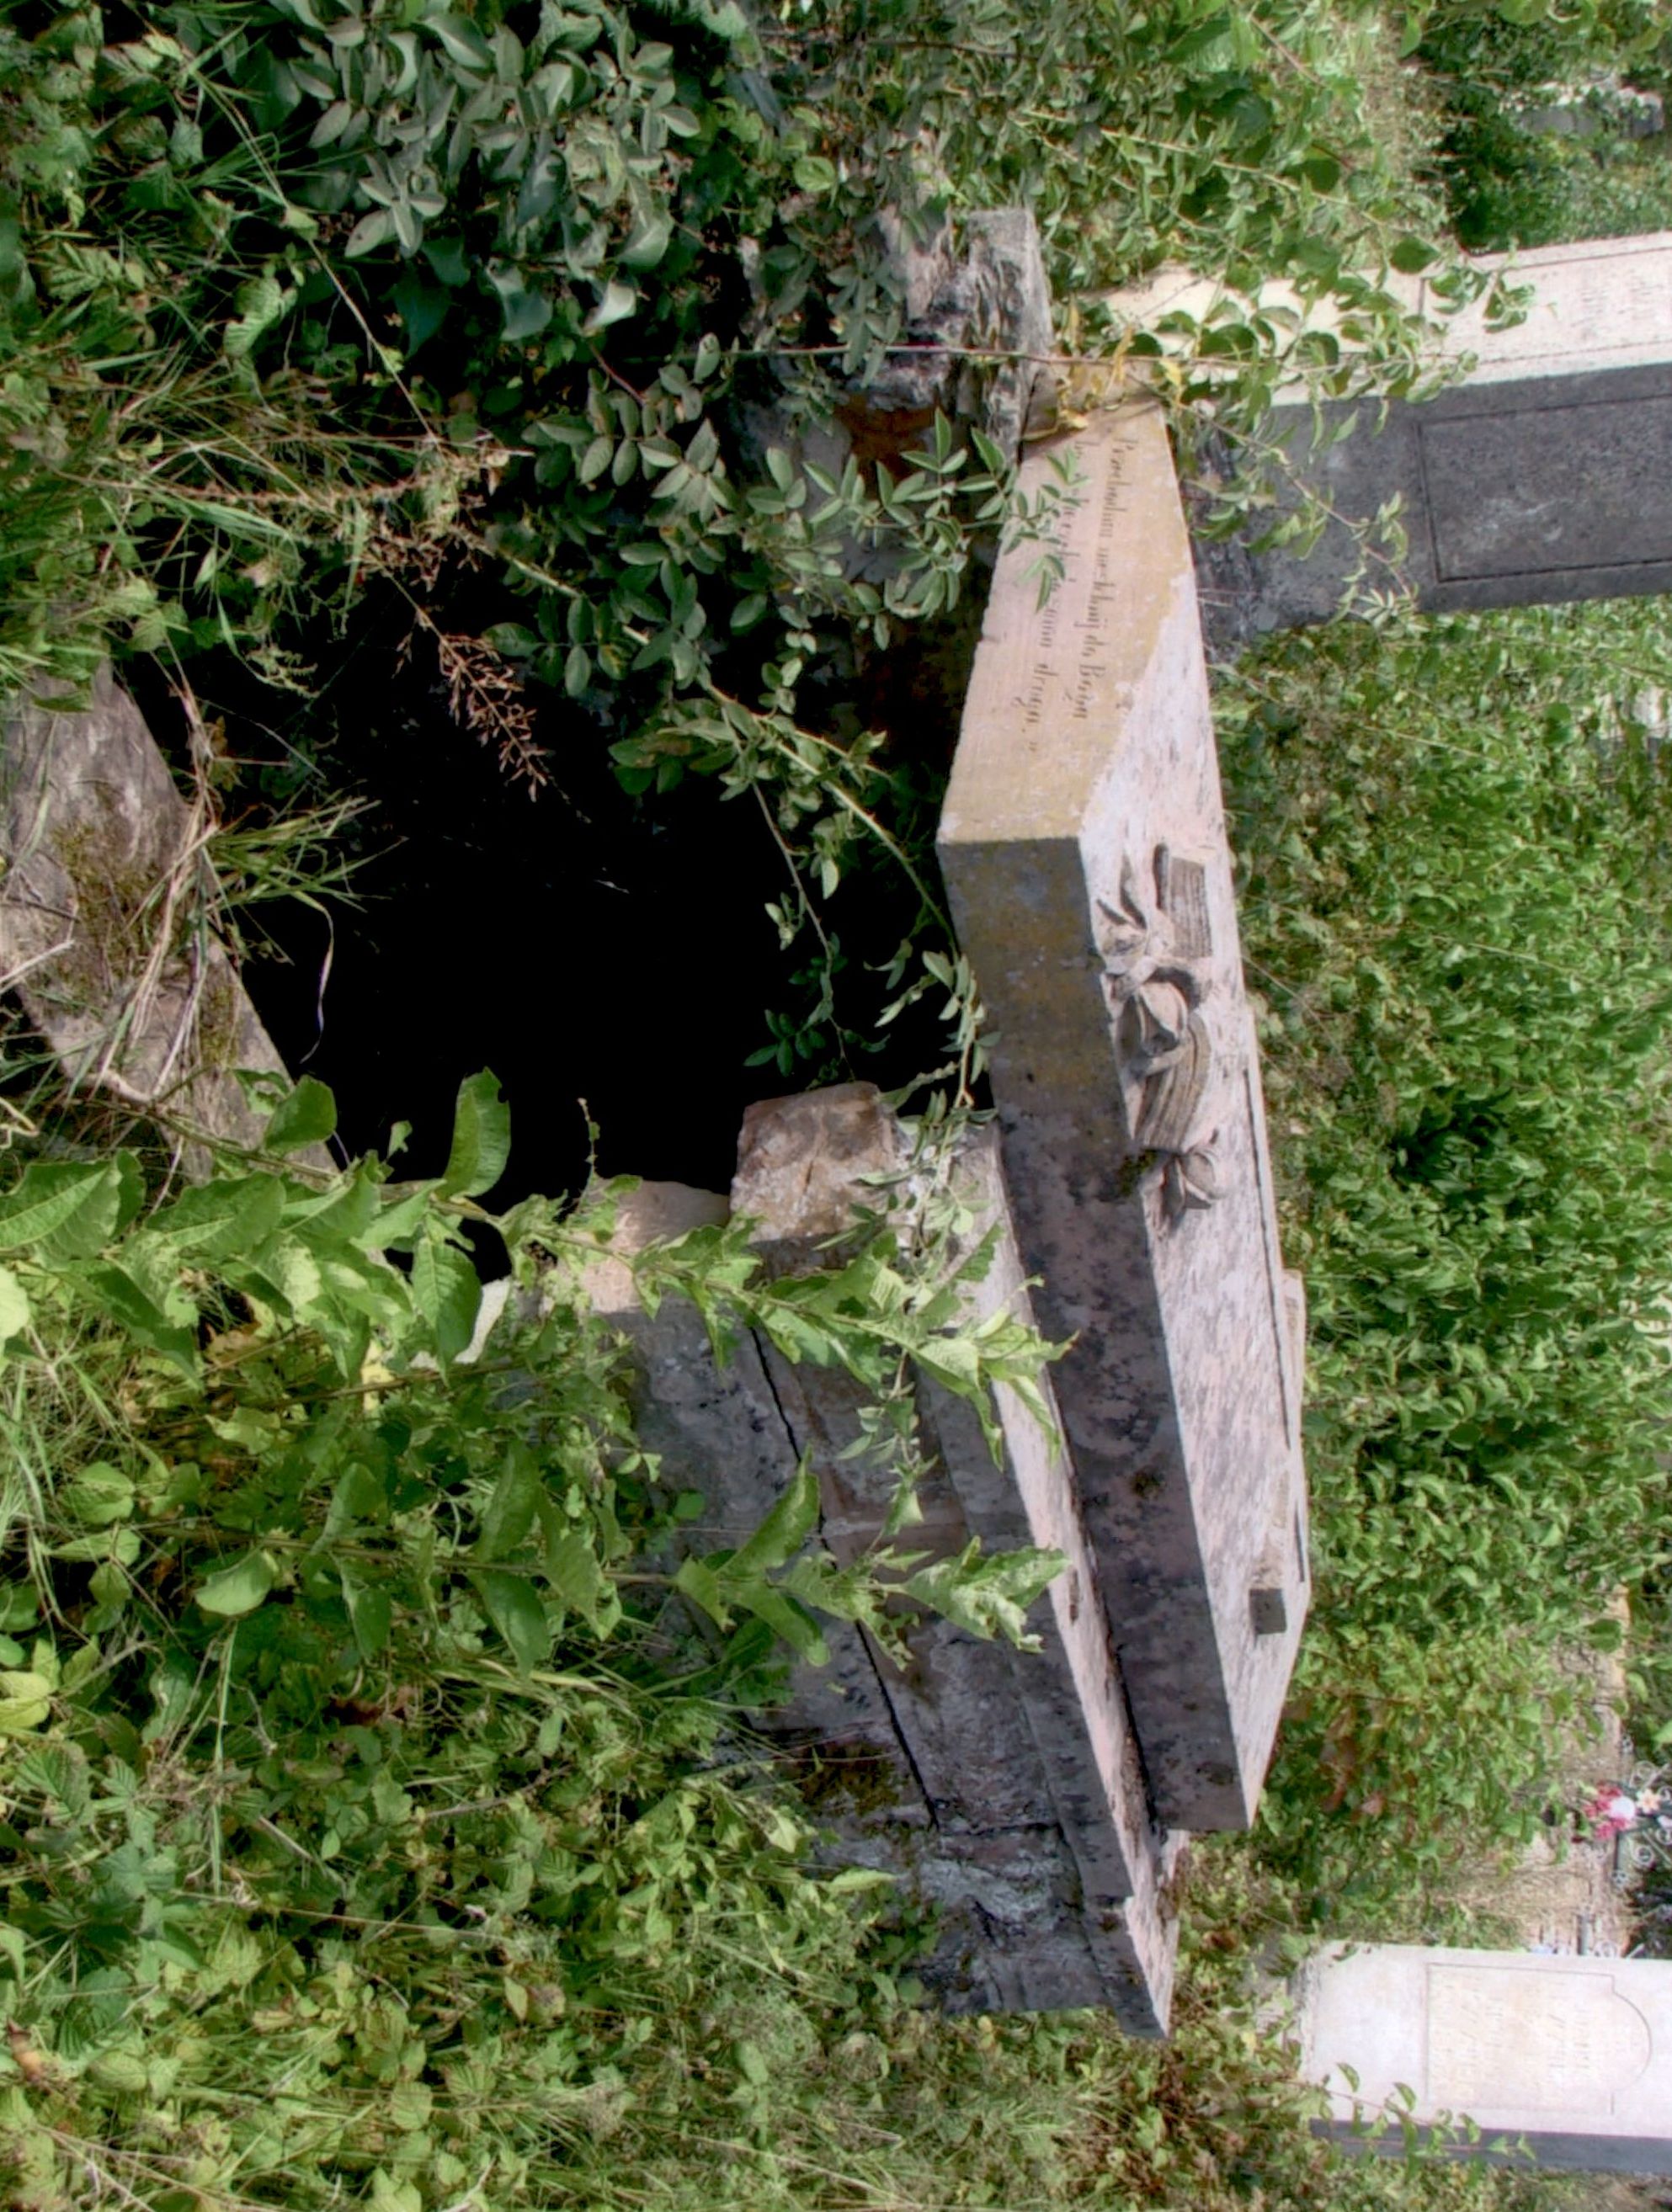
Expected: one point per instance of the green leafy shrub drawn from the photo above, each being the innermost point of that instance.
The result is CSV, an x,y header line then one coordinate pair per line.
x,y
1508,187
378,1830
514,316
1453,841
312,297
367,1804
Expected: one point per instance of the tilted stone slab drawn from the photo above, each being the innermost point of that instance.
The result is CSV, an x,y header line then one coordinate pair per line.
x,y
1083,843
100,857
1042,1847
1574,2055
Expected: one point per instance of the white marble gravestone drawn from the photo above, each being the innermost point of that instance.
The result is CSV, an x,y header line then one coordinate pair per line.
x,y
1084,848
1574,2055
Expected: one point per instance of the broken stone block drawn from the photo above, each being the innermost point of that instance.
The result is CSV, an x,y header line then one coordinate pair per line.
x,y
106,924
720,1429
993,293
977,347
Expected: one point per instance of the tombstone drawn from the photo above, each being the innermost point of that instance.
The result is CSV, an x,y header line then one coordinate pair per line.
x,y
1544,475
1574,2055
1083,844
1005,1788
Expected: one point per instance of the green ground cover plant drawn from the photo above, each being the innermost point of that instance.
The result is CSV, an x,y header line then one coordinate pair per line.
x,y
1453,835
1506,187
379,1826
383,1825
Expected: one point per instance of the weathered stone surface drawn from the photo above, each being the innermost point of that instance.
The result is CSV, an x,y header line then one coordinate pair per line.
x,y
1041,1841
805,1163
723,1431
1588,110
1575,2054
101,865
992,292
1544,475
1083,844
978,331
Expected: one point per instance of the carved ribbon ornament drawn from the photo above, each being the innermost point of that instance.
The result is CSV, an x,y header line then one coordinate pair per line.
x,y
1156,953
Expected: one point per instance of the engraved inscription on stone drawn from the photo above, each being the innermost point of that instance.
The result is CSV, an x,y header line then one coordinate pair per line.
x,y
1574,2049
1181,889
1156,945
1050,673
1084,849
1584,304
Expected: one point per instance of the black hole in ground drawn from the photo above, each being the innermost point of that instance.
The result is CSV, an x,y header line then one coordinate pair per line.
x,y
595,950
586,947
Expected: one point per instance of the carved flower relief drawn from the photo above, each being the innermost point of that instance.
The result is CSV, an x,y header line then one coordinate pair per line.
x,y
1156,949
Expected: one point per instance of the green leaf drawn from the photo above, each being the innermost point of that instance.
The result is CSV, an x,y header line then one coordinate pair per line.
x,y
509,1513
782,1616
461,40
422,307
574,1575
446,1292
954,1361
306,1116
98,1495
126,1301
370,1613
526,310
261,303
648,241
14,1305
784,1530
989,1596
24,1702
372,230
480,1139
616,303
447,257
513,1606
596,459
1411,256
64,1210
240,1588
234,1214
700,1584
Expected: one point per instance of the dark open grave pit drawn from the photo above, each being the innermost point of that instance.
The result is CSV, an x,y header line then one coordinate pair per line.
x,y
609,957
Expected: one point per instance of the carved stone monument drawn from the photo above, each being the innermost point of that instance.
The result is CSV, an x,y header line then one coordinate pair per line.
x,y
1573,2054
1083,844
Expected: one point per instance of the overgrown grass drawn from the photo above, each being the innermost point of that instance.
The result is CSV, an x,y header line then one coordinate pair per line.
x,y
1454,855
